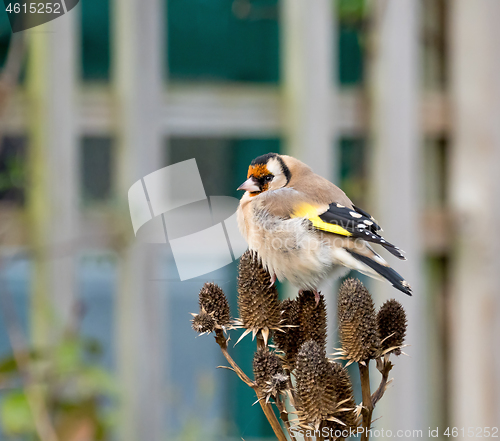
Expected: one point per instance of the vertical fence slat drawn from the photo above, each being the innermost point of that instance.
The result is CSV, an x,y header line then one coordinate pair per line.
x,y
137,44
52,194
397,204
308,82
475,203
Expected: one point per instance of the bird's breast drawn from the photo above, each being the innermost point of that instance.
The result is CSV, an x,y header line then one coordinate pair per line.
x,y
288,248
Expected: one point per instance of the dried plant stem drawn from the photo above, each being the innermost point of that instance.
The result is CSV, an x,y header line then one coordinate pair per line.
x,y
384,366
222,342
293,395
367,405
284,416
266,407
370,400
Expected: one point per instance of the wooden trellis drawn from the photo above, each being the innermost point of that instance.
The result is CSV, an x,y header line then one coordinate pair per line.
x,y
310,114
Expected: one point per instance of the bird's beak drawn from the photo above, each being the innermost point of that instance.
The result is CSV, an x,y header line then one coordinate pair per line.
x,y
249,185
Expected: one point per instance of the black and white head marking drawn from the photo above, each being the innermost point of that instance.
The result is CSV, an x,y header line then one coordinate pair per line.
x,y
280,171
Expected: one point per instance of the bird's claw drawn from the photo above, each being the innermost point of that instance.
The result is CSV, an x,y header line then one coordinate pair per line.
x,y
273,280
317,297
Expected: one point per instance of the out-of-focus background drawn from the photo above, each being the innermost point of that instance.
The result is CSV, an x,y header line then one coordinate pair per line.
x,y
397,101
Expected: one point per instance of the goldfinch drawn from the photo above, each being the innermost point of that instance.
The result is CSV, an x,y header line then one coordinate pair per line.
x,y
305,229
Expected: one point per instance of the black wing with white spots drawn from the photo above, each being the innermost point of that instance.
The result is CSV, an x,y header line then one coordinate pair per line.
x,y
360,224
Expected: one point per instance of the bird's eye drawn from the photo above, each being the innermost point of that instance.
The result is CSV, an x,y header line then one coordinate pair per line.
x,y
268,178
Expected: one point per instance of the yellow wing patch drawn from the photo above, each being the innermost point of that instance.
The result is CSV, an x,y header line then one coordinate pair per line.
x,y
311,212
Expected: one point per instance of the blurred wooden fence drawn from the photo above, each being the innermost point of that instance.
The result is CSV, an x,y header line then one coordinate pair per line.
x,y
310,114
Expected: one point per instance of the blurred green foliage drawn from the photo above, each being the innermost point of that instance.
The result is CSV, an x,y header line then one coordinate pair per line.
x,y
15,414
78,394
13,174
351,11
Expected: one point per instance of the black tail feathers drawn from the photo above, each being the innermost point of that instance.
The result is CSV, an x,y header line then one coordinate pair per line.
x,y
385,271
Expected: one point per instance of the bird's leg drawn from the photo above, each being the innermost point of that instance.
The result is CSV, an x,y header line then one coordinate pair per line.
x,y
316,296
273,280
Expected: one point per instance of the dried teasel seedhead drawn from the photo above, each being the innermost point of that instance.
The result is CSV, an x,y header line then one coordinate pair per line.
x,y
203,322
312,318
258,302
278,384
265,365
288,339
213,300
268,372
314,387
392,323
346,412
357,322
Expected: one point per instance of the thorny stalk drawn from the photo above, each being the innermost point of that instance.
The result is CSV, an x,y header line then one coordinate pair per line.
x,y
384,366
266,406
367,405
369,401
280,404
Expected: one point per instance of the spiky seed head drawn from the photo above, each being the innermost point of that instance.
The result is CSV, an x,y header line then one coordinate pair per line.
x,y
312,318
203,322
392,324
345,397
288,339
357,322
278,384
314,387
213,300
266,365
258,302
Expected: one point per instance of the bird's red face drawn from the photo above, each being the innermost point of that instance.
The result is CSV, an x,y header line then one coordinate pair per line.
x,y
259,178
266,173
